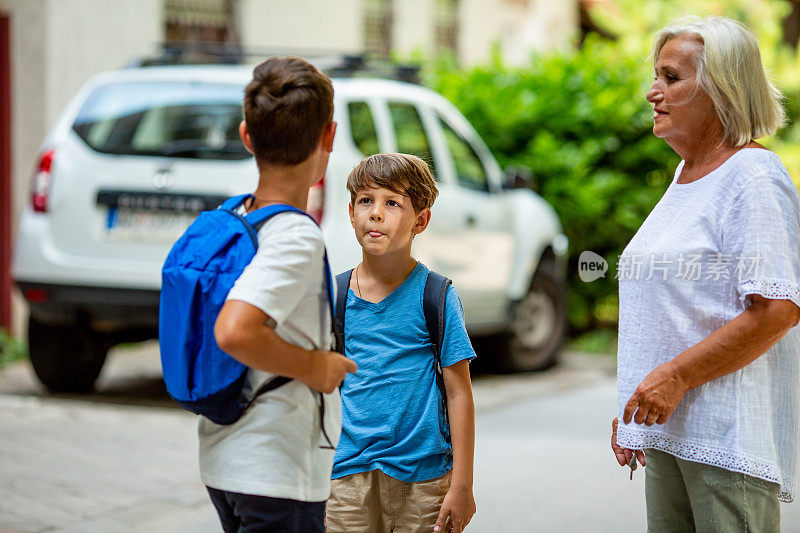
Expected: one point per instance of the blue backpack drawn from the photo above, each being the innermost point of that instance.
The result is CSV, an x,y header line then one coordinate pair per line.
x,y
201,268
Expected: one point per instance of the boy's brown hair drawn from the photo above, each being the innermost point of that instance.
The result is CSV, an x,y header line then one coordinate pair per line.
x,y
402,173
286,107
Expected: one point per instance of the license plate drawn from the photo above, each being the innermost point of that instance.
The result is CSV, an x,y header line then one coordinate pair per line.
x,y
146,225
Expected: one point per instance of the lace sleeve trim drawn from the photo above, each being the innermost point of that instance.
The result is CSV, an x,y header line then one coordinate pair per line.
x,y
774,289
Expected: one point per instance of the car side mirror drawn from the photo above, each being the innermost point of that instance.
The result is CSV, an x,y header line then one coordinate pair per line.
x,y
518,177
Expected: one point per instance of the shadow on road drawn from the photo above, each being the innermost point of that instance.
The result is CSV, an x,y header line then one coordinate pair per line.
x,y
139,391
132,376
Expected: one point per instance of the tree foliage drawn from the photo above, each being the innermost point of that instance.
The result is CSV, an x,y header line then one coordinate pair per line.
x,y
580,121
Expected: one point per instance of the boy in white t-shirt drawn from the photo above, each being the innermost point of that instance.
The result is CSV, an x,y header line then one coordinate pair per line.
x,y
270,470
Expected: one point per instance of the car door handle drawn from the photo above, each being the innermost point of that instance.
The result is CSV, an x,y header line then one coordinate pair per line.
x,y
471,220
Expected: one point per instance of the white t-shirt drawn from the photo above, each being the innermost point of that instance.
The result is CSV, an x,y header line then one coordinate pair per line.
x,y
275,449
689,269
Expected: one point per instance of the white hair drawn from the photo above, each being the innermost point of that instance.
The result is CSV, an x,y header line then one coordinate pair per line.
x,y
729,70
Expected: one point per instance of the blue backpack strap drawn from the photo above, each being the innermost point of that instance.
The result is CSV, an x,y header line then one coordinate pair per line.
x,y
342,286
234,201
255,219
434,299
338,337
259,216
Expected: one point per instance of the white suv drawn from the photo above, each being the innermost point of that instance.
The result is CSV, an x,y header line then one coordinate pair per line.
x,y
139,152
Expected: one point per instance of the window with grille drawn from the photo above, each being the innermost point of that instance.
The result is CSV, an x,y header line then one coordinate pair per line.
x,y
445,26
200,21
377,18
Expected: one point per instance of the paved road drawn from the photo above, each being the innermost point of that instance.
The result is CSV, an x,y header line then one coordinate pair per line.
x,y
124,459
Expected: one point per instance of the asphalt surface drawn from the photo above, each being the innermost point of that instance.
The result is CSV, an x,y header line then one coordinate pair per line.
x,y
125,458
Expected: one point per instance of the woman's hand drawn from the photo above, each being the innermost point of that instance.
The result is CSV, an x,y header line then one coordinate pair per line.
x,y
459,505
657,396
623,455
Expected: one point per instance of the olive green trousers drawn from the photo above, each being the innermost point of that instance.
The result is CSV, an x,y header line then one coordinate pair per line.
x,y
684,496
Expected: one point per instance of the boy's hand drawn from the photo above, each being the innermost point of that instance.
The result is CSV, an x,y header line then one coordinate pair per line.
x,y
459,505
326,370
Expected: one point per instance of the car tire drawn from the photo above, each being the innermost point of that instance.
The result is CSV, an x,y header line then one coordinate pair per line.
x,y
537,327
65,358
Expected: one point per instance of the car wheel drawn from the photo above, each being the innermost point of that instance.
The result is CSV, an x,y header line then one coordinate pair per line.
x,y
537,328
65,358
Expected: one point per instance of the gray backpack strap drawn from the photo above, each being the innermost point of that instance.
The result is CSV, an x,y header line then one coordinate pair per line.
x,y
434,300
342,286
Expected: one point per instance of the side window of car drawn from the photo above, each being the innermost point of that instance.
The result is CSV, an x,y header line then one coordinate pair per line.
x,y
363,128
410,133
469,169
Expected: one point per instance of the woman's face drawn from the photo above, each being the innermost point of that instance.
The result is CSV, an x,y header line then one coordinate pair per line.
x,y
684,113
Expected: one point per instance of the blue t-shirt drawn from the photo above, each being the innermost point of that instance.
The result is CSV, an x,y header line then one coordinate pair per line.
x,y
390,406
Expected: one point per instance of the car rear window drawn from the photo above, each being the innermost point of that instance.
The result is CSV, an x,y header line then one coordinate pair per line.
x,y
167,119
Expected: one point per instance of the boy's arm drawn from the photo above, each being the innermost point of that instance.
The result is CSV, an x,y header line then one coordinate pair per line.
x,y
459,504
242,330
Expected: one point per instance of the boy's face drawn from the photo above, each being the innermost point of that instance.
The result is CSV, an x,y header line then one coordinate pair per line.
x,y
385,221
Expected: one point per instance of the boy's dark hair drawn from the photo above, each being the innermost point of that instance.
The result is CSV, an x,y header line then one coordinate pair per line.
x,y
286,106
402,173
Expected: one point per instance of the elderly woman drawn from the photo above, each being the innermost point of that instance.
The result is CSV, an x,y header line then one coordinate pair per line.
x,y
709,292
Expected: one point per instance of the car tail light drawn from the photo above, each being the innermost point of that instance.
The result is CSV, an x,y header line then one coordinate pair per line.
x,y
41,182
316,200
36,295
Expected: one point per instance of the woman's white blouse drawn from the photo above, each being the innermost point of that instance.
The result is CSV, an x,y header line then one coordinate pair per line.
x,y
689,269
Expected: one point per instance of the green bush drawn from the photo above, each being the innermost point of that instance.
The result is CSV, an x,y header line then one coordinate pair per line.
x,y
580,121
11,349
596,341
787,143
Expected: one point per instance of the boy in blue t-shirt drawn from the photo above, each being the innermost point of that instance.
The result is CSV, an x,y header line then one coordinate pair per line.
x,y
394,469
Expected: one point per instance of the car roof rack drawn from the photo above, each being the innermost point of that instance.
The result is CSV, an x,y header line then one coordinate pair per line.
x,y
334,64
361,66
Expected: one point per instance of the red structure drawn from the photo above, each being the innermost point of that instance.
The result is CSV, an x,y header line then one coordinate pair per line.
x,y
6,207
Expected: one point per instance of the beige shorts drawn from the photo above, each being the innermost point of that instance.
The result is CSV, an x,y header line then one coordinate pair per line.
x,y
372,502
